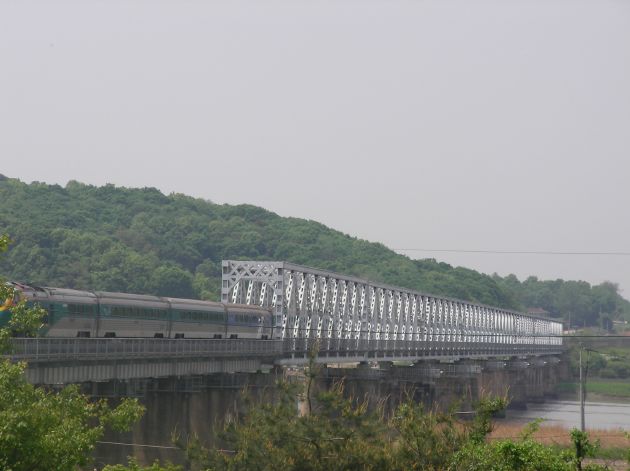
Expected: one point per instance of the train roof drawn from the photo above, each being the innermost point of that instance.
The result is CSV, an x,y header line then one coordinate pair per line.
x,y
69,295
129,296
194,304
54,294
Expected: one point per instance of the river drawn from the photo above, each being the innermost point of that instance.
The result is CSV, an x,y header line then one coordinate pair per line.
x,y
598,415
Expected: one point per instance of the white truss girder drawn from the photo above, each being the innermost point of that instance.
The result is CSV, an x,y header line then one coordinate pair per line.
x,y
310,303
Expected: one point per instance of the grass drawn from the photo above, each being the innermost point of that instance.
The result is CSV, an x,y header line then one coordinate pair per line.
x,y
619,388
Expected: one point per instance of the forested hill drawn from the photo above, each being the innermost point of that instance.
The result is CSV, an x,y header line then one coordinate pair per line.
x,y
142,241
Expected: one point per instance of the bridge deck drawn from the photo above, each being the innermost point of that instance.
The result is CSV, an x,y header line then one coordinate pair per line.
x,y
70,360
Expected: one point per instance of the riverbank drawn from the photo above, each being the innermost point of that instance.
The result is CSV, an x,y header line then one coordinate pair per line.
x,y
598,389
607,422
554,435
613,443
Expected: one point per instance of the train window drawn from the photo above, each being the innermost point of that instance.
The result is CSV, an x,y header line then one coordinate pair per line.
x,y
83,334
117,311
80,309
129,311
109,335
158,335
216,317
196,316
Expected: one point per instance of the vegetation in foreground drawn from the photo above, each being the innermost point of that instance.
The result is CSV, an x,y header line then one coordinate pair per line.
x,y
341,434
43,430
613,443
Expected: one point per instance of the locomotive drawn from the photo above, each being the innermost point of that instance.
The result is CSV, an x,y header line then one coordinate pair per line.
x,y
74,313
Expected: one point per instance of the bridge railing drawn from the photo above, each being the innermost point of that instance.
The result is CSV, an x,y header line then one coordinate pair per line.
x,y
375,349
71,349
50,349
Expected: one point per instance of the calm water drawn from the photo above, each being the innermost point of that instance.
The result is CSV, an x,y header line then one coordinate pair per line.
x,y
599,415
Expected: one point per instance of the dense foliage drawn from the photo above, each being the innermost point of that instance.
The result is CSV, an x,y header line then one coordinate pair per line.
x,y
343,434
134,466
140,240
575,301
42,430
606,363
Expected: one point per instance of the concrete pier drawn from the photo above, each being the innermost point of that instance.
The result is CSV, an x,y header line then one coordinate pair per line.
x,y
197,405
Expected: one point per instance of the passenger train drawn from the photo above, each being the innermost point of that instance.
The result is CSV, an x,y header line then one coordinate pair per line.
x,y
73,313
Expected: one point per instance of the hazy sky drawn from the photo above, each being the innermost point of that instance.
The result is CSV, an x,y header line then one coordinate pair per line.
x,y
465,124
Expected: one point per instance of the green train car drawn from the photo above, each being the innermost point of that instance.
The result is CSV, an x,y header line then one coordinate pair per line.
x,y
74,313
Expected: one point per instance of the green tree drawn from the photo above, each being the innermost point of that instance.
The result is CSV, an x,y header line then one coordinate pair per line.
x,y
134,466
430,441
510,455
172,281
337,435
42,430
583,448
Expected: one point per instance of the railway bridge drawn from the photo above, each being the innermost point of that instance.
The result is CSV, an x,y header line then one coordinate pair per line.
x,y
339,319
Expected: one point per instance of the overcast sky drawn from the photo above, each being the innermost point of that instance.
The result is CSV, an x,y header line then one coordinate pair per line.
x,y
465,124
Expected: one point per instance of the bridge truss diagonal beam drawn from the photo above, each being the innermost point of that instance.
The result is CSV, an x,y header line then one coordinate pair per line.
x,y
316,304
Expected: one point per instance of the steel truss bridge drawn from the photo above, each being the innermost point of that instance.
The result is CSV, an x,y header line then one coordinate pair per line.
x,y
336,318
348,317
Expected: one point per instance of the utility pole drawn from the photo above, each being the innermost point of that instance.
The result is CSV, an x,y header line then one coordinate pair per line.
x,y
582,392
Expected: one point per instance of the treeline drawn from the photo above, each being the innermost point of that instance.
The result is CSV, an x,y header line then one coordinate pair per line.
x,y
576,302
140,240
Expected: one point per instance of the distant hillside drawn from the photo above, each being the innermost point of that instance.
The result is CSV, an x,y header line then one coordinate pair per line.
x,y
140,240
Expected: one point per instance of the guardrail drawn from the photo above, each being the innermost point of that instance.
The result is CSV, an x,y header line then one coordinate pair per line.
x,y
57,349
72,349
375,349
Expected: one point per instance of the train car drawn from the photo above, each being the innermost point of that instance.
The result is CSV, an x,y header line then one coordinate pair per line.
x,y
74,313
69,312
133,315
197,319
246,321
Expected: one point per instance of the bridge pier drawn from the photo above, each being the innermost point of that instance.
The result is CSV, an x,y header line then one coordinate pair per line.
x,y
194,404
532,380
181,405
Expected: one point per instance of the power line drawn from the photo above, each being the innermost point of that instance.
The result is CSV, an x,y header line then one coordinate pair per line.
x,y
514,252
139,445
157,446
